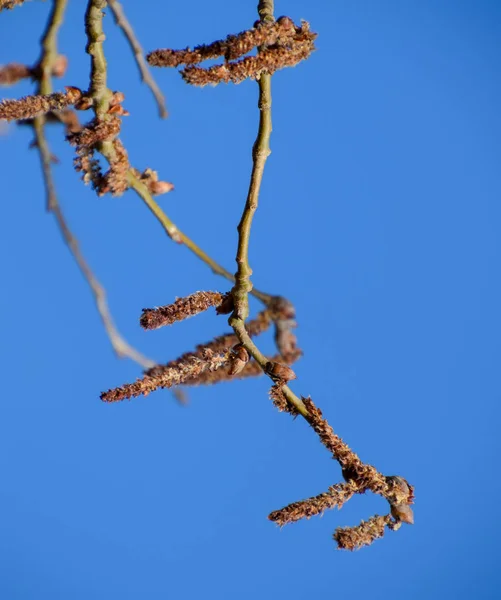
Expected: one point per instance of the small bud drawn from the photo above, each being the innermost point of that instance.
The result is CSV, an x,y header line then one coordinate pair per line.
x,y
160,187
239,358
118,109
74,94
226,306
402,512
85,103
117,98
280,372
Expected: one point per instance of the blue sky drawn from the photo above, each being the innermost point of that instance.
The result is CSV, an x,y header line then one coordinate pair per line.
x,y
379,219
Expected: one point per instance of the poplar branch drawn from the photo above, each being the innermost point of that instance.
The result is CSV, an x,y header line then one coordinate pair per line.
x,y
243,285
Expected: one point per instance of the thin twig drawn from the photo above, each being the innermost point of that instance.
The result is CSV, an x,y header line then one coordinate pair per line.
x,y
181,238
122,21
49,55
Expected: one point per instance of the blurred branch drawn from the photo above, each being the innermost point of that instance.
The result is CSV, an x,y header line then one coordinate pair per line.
x,y
44,70
122,21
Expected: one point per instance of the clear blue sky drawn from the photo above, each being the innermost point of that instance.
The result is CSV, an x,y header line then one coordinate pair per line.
x,y
379,218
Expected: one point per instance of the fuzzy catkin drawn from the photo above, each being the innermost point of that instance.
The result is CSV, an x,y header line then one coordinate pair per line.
x,y
335,497
33,106
167,378
354,538
182,308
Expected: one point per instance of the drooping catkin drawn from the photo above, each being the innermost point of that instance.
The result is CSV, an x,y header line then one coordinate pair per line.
x,y
281,44
96,131
280,401
354,538
167,378
182,308
335,497
86,163
250,67
14,72
33,106
234,46
251,369
114,180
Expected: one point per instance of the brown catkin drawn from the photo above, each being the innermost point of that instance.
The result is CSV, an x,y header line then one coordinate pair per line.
x,y
182,308
335,497
234,46
270,59
250,67
115,179
96,131
33,106
13,72
167,378
251,369
89,166
354,538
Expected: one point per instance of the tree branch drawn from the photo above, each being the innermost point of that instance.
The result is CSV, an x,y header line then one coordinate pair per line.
x,y
243,286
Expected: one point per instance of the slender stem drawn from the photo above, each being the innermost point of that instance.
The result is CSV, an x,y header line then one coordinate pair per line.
x,y
120,346
49,46
260,152
181,238
124,24
243,286
245,339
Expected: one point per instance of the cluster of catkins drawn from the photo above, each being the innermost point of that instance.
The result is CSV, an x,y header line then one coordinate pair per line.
x,y
221,359
281,43
225,359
